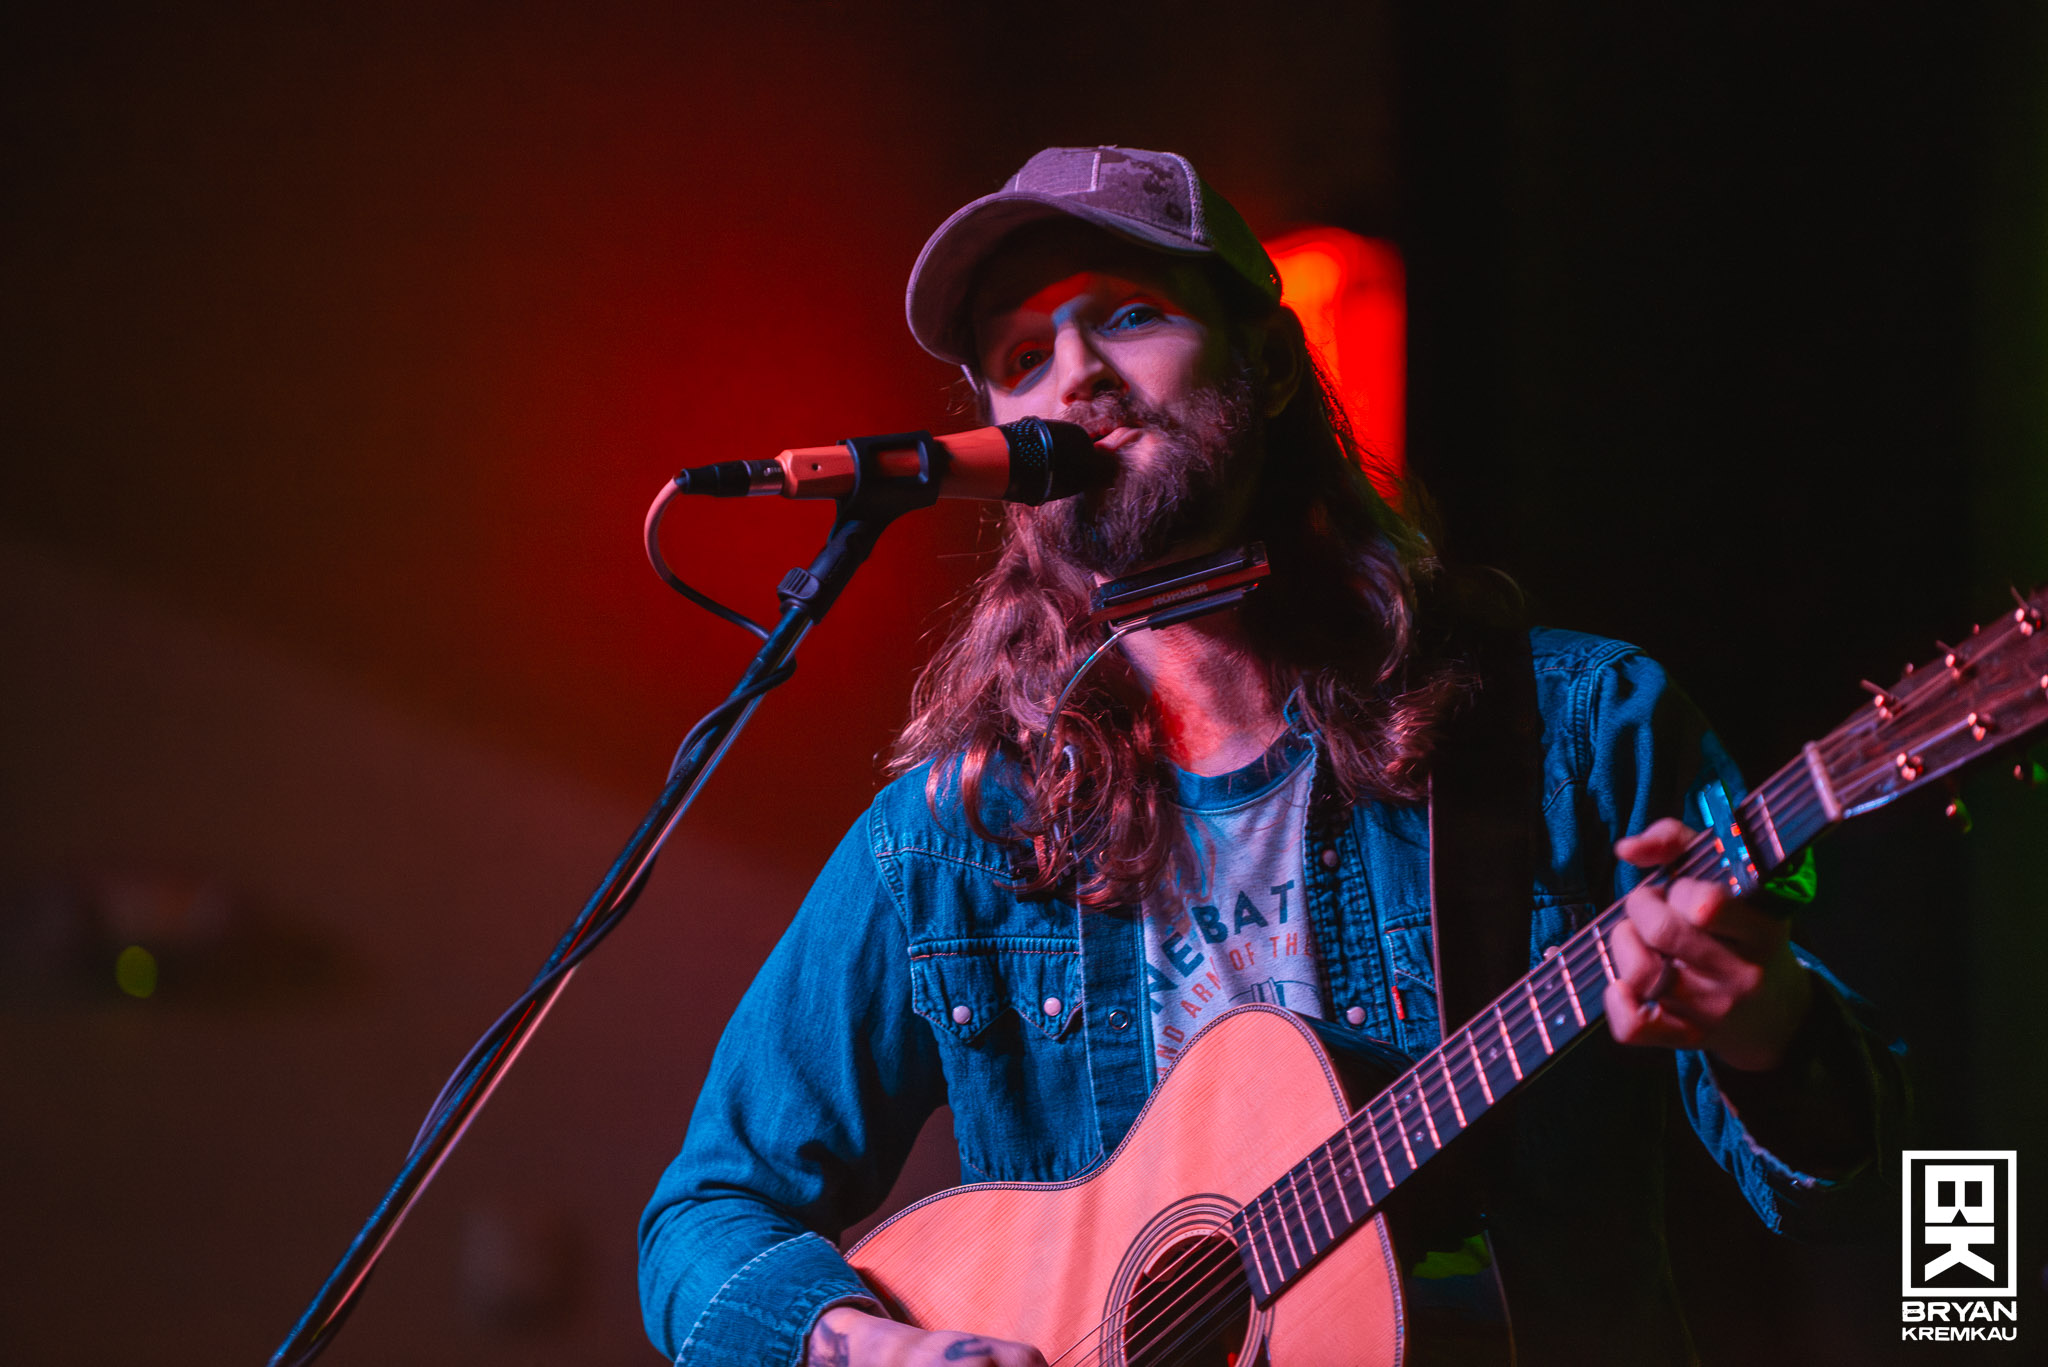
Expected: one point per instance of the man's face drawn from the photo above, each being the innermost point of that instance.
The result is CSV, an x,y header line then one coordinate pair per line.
x,y
1074,325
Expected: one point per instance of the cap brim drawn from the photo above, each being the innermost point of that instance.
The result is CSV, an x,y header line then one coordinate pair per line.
x,y
936,299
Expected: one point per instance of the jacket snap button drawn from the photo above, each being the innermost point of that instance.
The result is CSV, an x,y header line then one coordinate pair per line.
x,y
1329,859
1355,1016
1052,1006
961,1015
1119,1020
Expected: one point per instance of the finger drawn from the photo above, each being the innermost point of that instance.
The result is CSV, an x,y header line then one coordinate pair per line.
x,y
1669,931
1631,1022
1634,962
1750,931
1656,845
1657,981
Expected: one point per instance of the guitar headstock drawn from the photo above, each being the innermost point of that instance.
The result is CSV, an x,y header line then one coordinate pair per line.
x,y
1972,698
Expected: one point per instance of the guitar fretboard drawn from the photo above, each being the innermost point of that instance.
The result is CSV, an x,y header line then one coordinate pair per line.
x,y
1326,1195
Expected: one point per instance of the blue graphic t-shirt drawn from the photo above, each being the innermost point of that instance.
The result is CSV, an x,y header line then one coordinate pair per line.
x,y
1227,925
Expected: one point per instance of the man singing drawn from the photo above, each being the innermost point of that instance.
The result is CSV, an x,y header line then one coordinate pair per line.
x,y
1033,920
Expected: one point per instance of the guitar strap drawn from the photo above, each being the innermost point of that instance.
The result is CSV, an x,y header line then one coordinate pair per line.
x,y
1484,791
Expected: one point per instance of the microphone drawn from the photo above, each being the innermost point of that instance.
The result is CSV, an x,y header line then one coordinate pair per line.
x,y
1029,461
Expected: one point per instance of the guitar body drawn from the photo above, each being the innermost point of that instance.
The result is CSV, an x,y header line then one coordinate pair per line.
x,y
1101,1268
1259,1134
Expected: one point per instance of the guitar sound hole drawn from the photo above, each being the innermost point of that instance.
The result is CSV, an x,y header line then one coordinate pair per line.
x,y
1190,1308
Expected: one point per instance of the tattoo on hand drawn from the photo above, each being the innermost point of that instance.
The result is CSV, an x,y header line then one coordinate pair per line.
x,y
967,1348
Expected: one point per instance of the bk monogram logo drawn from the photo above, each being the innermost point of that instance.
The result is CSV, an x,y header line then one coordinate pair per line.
x,y
1959,1215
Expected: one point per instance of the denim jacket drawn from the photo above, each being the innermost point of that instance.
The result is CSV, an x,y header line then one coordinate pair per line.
x,y
912,978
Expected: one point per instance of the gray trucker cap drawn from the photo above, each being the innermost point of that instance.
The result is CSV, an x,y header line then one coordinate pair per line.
x,y
1152,198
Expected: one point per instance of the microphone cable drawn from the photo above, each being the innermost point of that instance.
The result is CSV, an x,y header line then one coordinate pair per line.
x,y
669,577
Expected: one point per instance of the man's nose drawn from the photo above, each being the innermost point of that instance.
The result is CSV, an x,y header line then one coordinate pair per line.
x,y
1080,369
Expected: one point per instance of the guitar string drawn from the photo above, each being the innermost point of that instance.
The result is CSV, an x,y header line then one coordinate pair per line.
x,y
1790,781
1205,1315
1141,1329
1918,688
1893,745
1423,1077
1202,1264
1215,1258
1524,1033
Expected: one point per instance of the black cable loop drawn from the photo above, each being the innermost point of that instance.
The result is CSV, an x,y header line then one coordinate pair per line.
x,y
669,577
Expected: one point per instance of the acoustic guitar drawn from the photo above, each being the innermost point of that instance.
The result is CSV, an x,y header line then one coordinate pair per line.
x,y
1267,1240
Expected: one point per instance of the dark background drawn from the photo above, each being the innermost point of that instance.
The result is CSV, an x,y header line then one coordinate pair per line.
x,y
344,345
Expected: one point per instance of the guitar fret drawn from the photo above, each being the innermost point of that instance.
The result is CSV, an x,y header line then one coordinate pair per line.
x,y
1606,964
1329,1156
1315,1189
1263,1237
1451,1085
1358,1166
1401,1128
1479,1066
1297,1228
1350,1218
1770,825
1823,789
1253,1242
1422,1095
1269,1217
1514,1060
1536,1007
1556,998
1379,1148
1315,1185
1564,964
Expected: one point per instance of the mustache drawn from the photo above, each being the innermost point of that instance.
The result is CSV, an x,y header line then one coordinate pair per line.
x,y
1108,411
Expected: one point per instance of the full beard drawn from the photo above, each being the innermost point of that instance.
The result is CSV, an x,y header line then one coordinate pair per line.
x,y
1201,445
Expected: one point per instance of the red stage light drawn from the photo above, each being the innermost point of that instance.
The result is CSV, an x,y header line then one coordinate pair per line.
x,y
1351,294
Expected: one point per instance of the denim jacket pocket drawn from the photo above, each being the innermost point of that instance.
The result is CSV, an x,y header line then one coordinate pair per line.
x,y
1411,968
1017,1074
962,987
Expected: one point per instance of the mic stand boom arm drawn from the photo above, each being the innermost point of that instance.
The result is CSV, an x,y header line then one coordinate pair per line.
x,y
877,499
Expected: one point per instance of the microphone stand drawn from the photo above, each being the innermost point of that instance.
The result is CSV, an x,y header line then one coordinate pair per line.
x,y
865,511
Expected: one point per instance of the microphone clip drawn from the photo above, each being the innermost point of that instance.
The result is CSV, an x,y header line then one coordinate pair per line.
x,y
892,475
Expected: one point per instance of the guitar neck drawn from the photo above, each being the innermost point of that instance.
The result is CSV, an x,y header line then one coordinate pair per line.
x,y
1340,1183
1961,706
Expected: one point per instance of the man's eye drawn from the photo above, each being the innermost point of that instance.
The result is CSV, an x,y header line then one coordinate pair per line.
x,y
1028,359
1133,316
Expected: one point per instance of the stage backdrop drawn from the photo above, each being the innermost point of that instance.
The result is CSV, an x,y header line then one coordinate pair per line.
x,y
344,348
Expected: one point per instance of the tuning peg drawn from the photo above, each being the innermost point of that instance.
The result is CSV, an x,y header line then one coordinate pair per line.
x,y
1956,811
1883,701
1952,659
2026,614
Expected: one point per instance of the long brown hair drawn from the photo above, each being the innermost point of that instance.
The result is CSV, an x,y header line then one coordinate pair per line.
x,y
1336,628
